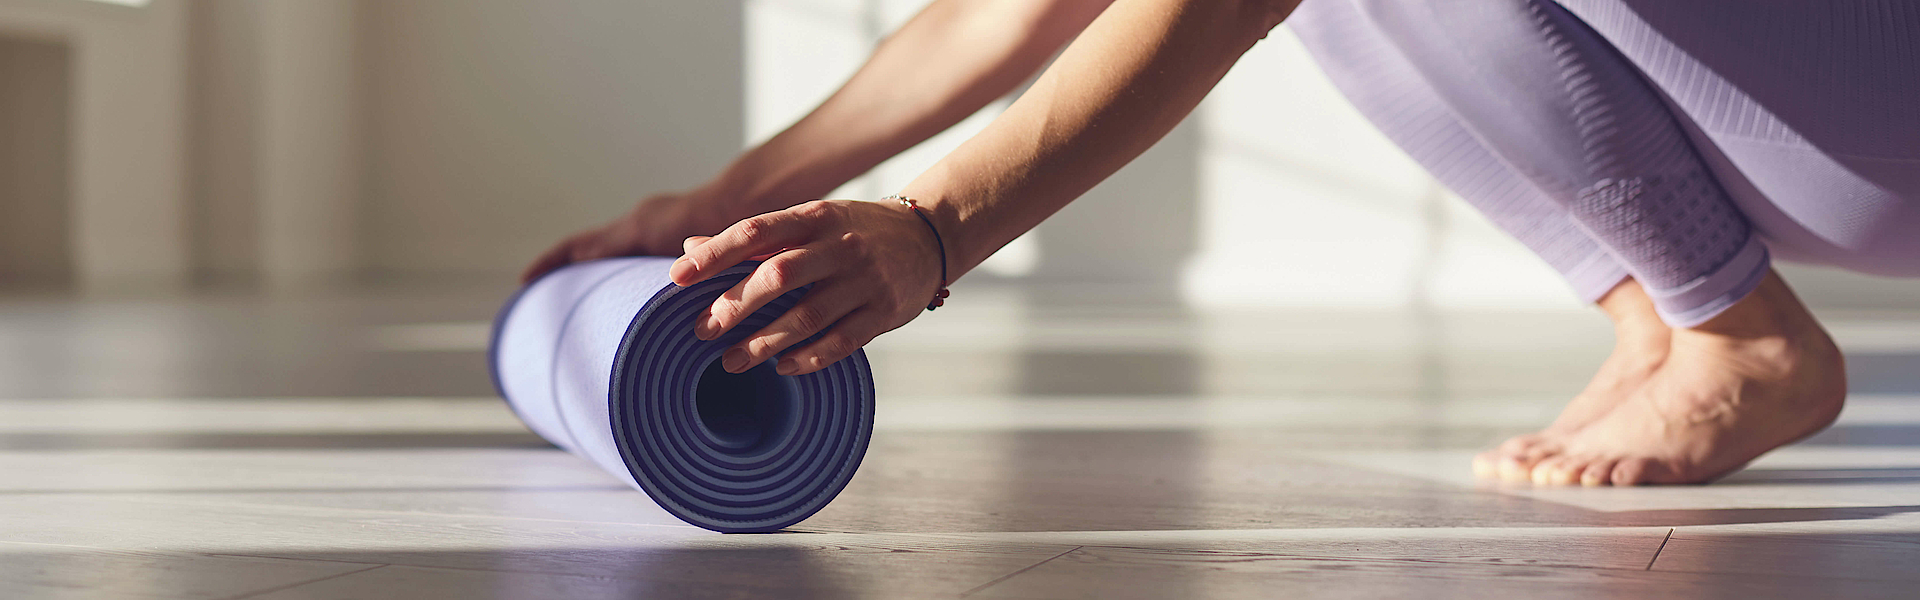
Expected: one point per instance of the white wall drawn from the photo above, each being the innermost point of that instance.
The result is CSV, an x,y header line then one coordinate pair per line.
x,y
225,86
127,206
311,151
34,143
496,127
1306,204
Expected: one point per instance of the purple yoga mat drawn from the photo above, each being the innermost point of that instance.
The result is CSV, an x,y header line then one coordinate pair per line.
x,y
600,359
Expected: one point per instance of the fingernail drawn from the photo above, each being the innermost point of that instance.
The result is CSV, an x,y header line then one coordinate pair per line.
x,y
708,329
681,269
734,361
787,366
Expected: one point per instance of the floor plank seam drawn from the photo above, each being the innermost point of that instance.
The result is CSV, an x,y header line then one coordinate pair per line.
x,y
1381,559
1662,548
270,556
977,589
258,593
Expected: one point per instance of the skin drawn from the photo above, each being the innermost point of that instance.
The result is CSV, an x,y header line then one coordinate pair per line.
x,y
1761,375
1670,405
1641,345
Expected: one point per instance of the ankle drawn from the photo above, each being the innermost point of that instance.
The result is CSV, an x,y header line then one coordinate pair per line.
x,y
1637,329
1770,311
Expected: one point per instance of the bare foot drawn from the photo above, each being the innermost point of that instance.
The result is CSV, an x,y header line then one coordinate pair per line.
x,y
1640,346
1759,376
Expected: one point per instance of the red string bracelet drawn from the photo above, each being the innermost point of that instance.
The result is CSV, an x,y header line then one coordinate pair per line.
x,y
940,297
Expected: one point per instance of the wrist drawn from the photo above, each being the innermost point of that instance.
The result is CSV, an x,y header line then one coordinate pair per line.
x,y
944,215
939,246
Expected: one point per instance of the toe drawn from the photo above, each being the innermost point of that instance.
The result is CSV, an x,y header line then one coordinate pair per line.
x,y
1487,465
1661,472
1598,472
1516,469
1521,444
1558,470
1631,471
1512,459
1519,468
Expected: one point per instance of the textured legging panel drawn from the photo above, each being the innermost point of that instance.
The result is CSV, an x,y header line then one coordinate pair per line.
x,y
1553,103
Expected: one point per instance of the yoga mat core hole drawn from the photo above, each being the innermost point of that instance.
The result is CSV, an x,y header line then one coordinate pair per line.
x,y
746,409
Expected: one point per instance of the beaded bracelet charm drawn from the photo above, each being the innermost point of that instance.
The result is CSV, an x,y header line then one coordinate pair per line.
x,y
940,297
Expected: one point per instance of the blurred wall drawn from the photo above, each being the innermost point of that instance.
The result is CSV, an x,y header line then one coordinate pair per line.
x,y
225,83
126,188
1306,204
498,126
443,138
34,140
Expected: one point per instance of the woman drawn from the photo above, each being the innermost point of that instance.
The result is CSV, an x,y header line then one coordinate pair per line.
x,y
1656,153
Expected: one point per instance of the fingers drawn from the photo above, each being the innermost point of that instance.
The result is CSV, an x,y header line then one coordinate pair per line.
x,y
821,308
778,275
693,242
600,242
559,255
696,241
553,258
761,235
848,335
846,250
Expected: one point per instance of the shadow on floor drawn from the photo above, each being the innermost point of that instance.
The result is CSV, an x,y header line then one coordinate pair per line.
x,y
1866,435
1822,476
1744,516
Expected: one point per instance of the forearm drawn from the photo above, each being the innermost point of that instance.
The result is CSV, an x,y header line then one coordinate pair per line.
x,y
950,60
1131,77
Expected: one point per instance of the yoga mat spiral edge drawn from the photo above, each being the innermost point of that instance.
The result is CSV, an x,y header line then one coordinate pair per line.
x,y
599,358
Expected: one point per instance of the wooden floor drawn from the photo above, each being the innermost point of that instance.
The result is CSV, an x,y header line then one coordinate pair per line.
x,y
348,446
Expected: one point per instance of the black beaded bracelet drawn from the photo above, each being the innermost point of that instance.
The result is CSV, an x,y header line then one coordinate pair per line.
x,y
939,297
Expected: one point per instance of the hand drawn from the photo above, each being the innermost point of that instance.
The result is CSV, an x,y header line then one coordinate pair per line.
x,y
873,266
654,227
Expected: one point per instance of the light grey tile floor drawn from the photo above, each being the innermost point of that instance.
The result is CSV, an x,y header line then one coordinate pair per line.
x,y
348,446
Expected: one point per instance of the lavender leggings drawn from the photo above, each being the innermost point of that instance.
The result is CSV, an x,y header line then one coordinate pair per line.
x,y
1678,143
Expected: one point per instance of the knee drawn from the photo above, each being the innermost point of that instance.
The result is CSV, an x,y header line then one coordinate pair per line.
x,y
1394,12
1414,22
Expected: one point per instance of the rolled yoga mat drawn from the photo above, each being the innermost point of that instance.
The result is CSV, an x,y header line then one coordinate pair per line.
x,y
600,359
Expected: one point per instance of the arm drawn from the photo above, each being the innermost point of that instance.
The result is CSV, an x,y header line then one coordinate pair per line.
x,y
1129,78
950,60
1134,75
